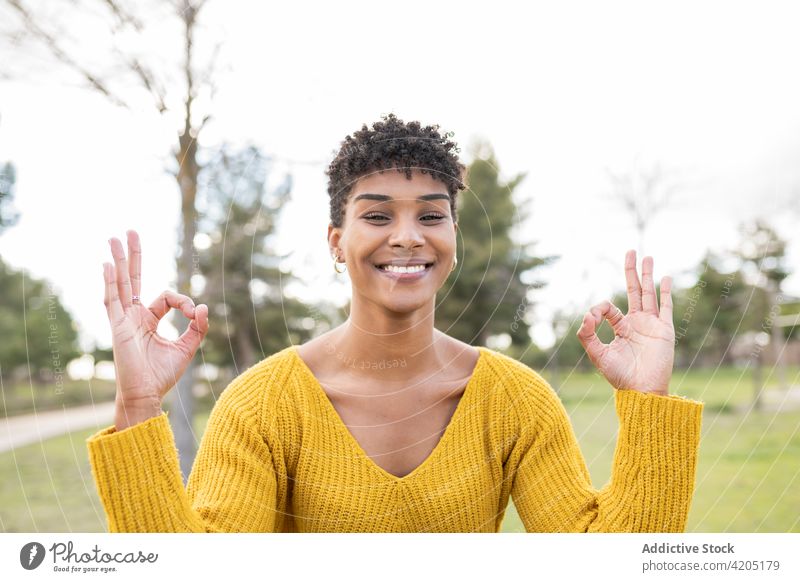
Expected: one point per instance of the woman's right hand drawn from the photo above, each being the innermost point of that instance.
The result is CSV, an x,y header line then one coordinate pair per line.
x,y
147,365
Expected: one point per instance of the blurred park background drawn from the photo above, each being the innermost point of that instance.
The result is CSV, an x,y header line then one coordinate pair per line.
x,y
206,126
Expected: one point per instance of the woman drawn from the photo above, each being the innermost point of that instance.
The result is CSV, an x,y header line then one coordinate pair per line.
x,y
385,423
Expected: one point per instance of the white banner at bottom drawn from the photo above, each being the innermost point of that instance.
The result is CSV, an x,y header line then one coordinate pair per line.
x,y
388,557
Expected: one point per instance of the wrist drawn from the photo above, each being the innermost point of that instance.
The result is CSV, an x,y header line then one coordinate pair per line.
x,y
130,413
659,392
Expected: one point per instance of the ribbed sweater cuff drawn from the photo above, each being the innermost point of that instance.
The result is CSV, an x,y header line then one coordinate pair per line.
x,y
671,411
655,460
122,461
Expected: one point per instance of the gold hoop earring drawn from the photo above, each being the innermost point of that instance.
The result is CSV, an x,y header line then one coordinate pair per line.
x,y
455,262
336,262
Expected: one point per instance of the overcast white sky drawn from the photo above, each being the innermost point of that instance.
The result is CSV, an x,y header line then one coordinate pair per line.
x,y
561,91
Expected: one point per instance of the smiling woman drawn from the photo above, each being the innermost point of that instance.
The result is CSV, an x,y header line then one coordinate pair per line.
x,y
305,441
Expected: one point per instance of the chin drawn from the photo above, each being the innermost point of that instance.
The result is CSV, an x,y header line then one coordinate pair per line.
x,y
399,298
404,305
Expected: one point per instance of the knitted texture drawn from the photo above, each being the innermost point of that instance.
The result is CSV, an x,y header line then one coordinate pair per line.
x,y
277,457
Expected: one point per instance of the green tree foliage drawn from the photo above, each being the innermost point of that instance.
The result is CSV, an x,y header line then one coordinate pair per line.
x,y
250,315
763,255
38,334
486,295
709,314
8,177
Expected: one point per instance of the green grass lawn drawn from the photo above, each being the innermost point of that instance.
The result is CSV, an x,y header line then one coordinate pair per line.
x,y
748,477
26,398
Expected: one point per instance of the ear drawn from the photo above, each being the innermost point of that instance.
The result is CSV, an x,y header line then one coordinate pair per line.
x,y
334,237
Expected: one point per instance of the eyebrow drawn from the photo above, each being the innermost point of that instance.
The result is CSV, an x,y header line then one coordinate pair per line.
x,y
385,198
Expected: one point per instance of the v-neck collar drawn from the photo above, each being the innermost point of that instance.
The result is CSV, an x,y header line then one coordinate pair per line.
x,y
463,403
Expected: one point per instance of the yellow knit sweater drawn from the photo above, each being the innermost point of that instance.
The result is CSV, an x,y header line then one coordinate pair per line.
x,y
276,457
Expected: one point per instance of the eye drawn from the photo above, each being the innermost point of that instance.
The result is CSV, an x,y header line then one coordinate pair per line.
x,y
427,216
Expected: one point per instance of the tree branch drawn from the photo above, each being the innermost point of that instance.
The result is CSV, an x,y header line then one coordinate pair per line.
x,y
148,80
124,17
60,54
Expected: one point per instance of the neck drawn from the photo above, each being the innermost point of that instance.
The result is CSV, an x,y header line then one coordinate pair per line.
x,y
390,345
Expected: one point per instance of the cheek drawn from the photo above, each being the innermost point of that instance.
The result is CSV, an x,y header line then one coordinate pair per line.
x,y
363,246
445,242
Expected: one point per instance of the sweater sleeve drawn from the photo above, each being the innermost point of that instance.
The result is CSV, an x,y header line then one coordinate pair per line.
x,y
652,478
232,486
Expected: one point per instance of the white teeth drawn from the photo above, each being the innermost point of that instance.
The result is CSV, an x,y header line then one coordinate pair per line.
x,y
395,269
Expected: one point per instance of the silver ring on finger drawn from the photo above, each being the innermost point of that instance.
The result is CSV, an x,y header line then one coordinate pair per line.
x,y
135,299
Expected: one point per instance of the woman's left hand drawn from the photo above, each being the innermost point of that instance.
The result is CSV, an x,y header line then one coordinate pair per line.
x,y
640,356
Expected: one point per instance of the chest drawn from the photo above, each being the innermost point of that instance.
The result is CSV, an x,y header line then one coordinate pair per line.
x,y
397,432
395,464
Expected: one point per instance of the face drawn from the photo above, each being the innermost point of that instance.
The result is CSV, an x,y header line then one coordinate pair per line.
x,y
390,219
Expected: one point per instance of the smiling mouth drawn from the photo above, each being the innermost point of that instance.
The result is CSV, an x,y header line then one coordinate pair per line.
x,y
410,270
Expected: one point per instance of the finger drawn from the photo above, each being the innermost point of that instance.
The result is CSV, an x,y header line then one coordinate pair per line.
x,y
123,275
169,300
609,311
666,300
600,310
111,295
194,334
649,304
587,335
632,283
135,258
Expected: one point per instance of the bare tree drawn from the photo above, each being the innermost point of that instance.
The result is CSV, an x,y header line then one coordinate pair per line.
x,y
123,22
643,192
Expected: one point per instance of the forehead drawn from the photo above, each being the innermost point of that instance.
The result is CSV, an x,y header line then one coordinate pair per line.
x,y
395,184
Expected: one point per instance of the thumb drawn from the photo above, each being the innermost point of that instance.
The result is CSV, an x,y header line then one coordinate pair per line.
x,y
194,334
587,335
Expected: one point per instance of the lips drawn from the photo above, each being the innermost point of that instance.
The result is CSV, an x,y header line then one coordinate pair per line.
x,y
405,276
405,263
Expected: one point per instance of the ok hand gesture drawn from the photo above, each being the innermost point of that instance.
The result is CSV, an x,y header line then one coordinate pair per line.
x,y
147,365
641,355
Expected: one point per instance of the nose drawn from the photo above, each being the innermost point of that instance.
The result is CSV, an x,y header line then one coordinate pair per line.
x,y
406,233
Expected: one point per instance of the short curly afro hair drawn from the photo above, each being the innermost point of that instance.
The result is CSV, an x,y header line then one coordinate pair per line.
x,y
393,143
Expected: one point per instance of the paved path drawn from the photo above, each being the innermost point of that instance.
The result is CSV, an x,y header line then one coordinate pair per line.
x,y
783,400
22,430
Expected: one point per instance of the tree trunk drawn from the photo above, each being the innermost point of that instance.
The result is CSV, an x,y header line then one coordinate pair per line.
x,y
778,343
182,409
247,353
758,382
554,359
182,398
